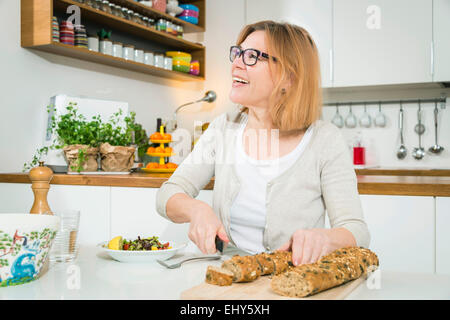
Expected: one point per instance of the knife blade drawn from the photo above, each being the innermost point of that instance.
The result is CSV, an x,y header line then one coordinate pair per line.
x,y
219,244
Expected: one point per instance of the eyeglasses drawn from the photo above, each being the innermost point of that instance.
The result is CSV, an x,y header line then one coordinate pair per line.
x,y
249,56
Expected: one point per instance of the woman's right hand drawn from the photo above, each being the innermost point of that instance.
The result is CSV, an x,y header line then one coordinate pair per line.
x,y
204,226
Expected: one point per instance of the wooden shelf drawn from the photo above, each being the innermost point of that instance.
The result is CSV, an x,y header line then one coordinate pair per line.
x,y
97,57
112,21
149,11
36,33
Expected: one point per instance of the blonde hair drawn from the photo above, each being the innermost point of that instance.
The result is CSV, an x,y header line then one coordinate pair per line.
x,y
297,62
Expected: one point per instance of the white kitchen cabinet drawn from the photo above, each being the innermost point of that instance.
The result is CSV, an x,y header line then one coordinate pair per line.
x,y
133,213
313,15
16,198
442,235
378,42
441,40
93,203
402,231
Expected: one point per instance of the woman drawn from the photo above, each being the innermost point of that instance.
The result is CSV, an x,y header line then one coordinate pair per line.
x,y
270,193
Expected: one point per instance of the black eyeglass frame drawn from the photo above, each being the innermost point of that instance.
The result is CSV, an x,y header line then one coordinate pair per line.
x,y
258,52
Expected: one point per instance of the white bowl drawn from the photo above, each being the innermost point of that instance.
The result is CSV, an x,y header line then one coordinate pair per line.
x,y
25,241
142,256
173,9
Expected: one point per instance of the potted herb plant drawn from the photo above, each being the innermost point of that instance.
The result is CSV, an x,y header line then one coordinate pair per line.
x,y
117,154
77,137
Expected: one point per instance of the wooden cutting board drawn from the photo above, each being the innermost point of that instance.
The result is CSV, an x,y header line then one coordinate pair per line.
x,y
260,290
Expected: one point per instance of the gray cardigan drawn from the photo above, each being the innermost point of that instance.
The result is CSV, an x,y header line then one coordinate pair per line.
x,y
321,180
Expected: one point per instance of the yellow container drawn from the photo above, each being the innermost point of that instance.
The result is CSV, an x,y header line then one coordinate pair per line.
x,y
179,56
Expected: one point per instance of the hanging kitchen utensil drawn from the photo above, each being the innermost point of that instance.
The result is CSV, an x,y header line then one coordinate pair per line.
x,y
338,120
419,128
436,149
401,152
419,152
380,119
350,120
365,121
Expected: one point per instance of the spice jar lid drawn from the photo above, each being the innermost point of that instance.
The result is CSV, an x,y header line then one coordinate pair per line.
x,y
117,42
128,46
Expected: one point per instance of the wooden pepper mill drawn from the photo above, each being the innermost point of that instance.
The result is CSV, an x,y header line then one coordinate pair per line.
x,y
40,183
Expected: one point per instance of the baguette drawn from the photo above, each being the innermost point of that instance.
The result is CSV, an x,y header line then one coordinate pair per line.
x,y
266,263
244,268
332,270
218,276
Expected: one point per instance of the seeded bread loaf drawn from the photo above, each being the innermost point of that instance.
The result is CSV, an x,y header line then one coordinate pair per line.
x,y
218,276
332,270
244,268
266,263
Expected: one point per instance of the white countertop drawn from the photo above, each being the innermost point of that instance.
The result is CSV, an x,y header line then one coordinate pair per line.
x,y
100,277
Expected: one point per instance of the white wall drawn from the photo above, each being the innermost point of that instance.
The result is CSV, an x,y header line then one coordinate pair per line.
x,y
29,78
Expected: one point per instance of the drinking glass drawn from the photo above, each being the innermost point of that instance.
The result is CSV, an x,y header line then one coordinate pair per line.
x,y
65,248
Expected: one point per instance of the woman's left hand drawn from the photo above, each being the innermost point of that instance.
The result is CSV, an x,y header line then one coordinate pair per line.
x,y
309,245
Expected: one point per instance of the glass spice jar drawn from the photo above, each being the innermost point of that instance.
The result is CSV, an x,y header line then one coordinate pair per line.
x,y
145,21
105,6
130,14
112,8
117,11
97,4
125,13
151,23
180,31
135,17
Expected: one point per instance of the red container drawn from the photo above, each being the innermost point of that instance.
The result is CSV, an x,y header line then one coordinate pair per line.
x,y
160,5
359,155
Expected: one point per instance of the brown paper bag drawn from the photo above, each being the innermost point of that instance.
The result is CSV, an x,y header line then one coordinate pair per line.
x,y
90,162
116,158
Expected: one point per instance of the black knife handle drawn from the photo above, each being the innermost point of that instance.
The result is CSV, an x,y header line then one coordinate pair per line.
x,y
219,244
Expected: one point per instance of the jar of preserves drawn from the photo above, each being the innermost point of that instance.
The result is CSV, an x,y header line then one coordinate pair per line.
x,y
161,25
169,27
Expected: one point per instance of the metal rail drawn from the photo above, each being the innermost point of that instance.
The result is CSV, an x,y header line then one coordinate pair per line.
x,y
442,100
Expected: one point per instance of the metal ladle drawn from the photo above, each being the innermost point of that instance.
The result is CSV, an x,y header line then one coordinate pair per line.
x,y
419,153
436,148
401,152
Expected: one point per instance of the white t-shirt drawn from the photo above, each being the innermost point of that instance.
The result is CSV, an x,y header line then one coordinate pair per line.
x,y
248,211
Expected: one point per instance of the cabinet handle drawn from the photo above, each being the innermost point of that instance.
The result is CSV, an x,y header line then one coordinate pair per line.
x,y
331,65
432,58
